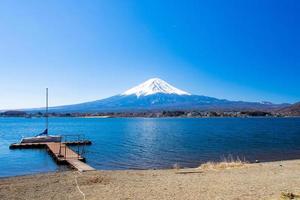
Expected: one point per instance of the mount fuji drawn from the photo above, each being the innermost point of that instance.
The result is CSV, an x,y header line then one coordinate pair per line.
x,y
157,95
154,86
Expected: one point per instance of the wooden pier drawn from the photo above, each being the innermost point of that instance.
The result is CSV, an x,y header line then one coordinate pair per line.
x,y
43,145
60,152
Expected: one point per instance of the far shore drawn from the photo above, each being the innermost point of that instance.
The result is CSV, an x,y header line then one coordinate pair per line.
x,y
271,180
151,114
166,117
94,117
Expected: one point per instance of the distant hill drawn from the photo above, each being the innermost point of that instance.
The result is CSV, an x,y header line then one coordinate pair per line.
x,y
292,110
157,95
13,113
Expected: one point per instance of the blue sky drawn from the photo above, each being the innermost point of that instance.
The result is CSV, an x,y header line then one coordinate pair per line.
x,y
88,50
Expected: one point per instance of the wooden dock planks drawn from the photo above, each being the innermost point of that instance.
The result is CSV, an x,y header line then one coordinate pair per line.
x,y
80,166
61,152
42,145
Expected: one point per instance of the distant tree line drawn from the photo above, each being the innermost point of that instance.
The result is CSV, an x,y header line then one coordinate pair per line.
x,y
150,114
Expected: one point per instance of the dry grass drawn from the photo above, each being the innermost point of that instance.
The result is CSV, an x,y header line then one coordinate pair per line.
x,y
289,195
226,163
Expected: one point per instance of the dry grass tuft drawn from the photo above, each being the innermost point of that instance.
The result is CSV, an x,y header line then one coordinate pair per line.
x,y
226,163
289,195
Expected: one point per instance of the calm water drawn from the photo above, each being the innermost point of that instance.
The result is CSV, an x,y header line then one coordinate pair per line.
x,y
153,143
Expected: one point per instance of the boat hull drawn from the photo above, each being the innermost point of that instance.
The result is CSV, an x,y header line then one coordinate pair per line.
x,y
40,139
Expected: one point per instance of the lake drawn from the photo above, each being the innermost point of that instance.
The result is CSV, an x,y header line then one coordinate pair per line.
x,y
138,143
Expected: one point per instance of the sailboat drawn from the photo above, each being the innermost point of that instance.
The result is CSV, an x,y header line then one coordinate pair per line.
x,y
43,137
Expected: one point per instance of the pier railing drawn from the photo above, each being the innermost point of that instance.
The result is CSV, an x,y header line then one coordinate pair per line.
x,y
78,142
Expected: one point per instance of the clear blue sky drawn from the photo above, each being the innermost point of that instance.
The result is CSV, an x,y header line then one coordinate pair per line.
x,y
88,50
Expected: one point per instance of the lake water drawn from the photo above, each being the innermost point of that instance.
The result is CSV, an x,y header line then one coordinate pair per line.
x,y
137,143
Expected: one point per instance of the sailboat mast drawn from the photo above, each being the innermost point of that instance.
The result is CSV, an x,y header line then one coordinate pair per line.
x,y
47,110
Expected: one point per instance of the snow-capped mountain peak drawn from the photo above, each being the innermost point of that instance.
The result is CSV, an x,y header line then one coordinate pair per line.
x,y
153,86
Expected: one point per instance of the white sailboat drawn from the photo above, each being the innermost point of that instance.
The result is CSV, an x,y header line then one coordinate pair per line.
x,y
43,137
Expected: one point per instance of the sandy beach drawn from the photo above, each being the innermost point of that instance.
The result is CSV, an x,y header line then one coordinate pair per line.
x,y
273,180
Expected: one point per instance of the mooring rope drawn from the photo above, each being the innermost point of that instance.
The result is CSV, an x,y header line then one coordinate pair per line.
x,y
79,187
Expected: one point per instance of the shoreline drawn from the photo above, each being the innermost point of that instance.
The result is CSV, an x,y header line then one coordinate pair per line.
x,y
166,117
265,180
67,168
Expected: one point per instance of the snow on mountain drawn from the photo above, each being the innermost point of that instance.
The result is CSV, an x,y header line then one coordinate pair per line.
x,y
154,86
